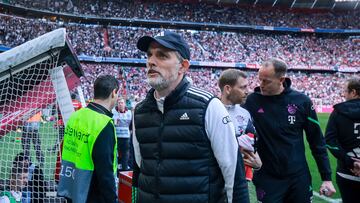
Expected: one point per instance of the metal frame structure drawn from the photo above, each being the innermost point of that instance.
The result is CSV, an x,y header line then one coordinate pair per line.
x,y
303,4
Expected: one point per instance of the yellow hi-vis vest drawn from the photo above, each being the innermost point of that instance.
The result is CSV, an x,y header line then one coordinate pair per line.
x,y
77,166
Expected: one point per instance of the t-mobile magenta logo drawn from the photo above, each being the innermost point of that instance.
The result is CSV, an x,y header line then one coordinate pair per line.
x,y
261,110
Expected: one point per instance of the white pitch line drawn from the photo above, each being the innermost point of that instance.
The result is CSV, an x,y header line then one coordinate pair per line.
x,y
327,198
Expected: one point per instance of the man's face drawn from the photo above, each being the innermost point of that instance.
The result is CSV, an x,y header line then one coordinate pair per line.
x,y
239,91
20,181
348,95
23,179
121,104
269,83
163,67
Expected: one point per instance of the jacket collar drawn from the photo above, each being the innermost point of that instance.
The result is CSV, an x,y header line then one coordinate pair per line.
x,y
350,109
100,109
173,97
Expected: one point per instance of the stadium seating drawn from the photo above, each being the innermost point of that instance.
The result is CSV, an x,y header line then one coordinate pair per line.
x,y
199,12
297,50
324,86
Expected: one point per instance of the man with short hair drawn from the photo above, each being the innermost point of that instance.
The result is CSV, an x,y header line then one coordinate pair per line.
x,y
343,139
184,141
234,90
280,116
19,173
35,190
88,166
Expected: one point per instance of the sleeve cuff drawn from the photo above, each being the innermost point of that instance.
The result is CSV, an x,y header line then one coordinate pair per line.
x,y
134,192
325,176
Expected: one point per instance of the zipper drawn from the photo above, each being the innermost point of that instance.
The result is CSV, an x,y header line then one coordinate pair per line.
x,y
158,163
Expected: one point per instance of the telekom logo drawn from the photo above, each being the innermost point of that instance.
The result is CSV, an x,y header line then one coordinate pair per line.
x,y
291,119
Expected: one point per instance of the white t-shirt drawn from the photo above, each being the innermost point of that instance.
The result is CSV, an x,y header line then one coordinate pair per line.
x,y
122,122
243,126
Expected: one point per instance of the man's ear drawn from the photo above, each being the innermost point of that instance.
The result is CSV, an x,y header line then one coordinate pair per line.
x,y
113,93
185,64
227,89
353,93
282,79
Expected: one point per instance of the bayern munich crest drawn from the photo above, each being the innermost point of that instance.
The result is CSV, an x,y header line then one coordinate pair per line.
x,y
292,108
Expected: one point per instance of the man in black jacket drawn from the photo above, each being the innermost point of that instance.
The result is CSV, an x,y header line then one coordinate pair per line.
x,y
184,143
280,116
343,140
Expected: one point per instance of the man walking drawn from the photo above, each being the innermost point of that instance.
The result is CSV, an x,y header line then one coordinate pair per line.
x,y
280,115
184,143
234,90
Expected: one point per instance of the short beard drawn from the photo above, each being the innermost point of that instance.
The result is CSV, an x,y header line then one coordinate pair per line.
x,y
235,100
160,83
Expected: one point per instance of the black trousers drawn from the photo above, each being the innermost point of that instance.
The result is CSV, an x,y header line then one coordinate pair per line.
x,y
123,152
294,189
349,189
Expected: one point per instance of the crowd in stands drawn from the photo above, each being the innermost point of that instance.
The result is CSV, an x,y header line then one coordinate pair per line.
x,y
298,50
92,40
326,87
200,12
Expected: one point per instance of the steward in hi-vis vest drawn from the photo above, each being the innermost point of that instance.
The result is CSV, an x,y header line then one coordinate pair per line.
x,y
88,167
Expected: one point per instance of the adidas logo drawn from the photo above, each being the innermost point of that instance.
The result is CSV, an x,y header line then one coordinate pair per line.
x,y
184,117
261,110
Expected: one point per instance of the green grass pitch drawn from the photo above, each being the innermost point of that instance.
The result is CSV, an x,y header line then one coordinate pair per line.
x,y
10,145
316,180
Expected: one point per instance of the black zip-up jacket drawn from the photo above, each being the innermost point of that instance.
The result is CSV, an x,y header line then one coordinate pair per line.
x,y
280,121
343,134
178,162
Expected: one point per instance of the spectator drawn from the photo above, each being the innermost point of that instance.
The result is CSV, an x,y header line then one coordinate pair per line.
x,y
199,12
34,192
18,181
304,51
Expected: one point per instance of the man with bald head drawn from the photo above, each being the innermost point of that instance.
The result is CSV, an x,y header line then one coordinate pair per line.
x,y
184,141
280,116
